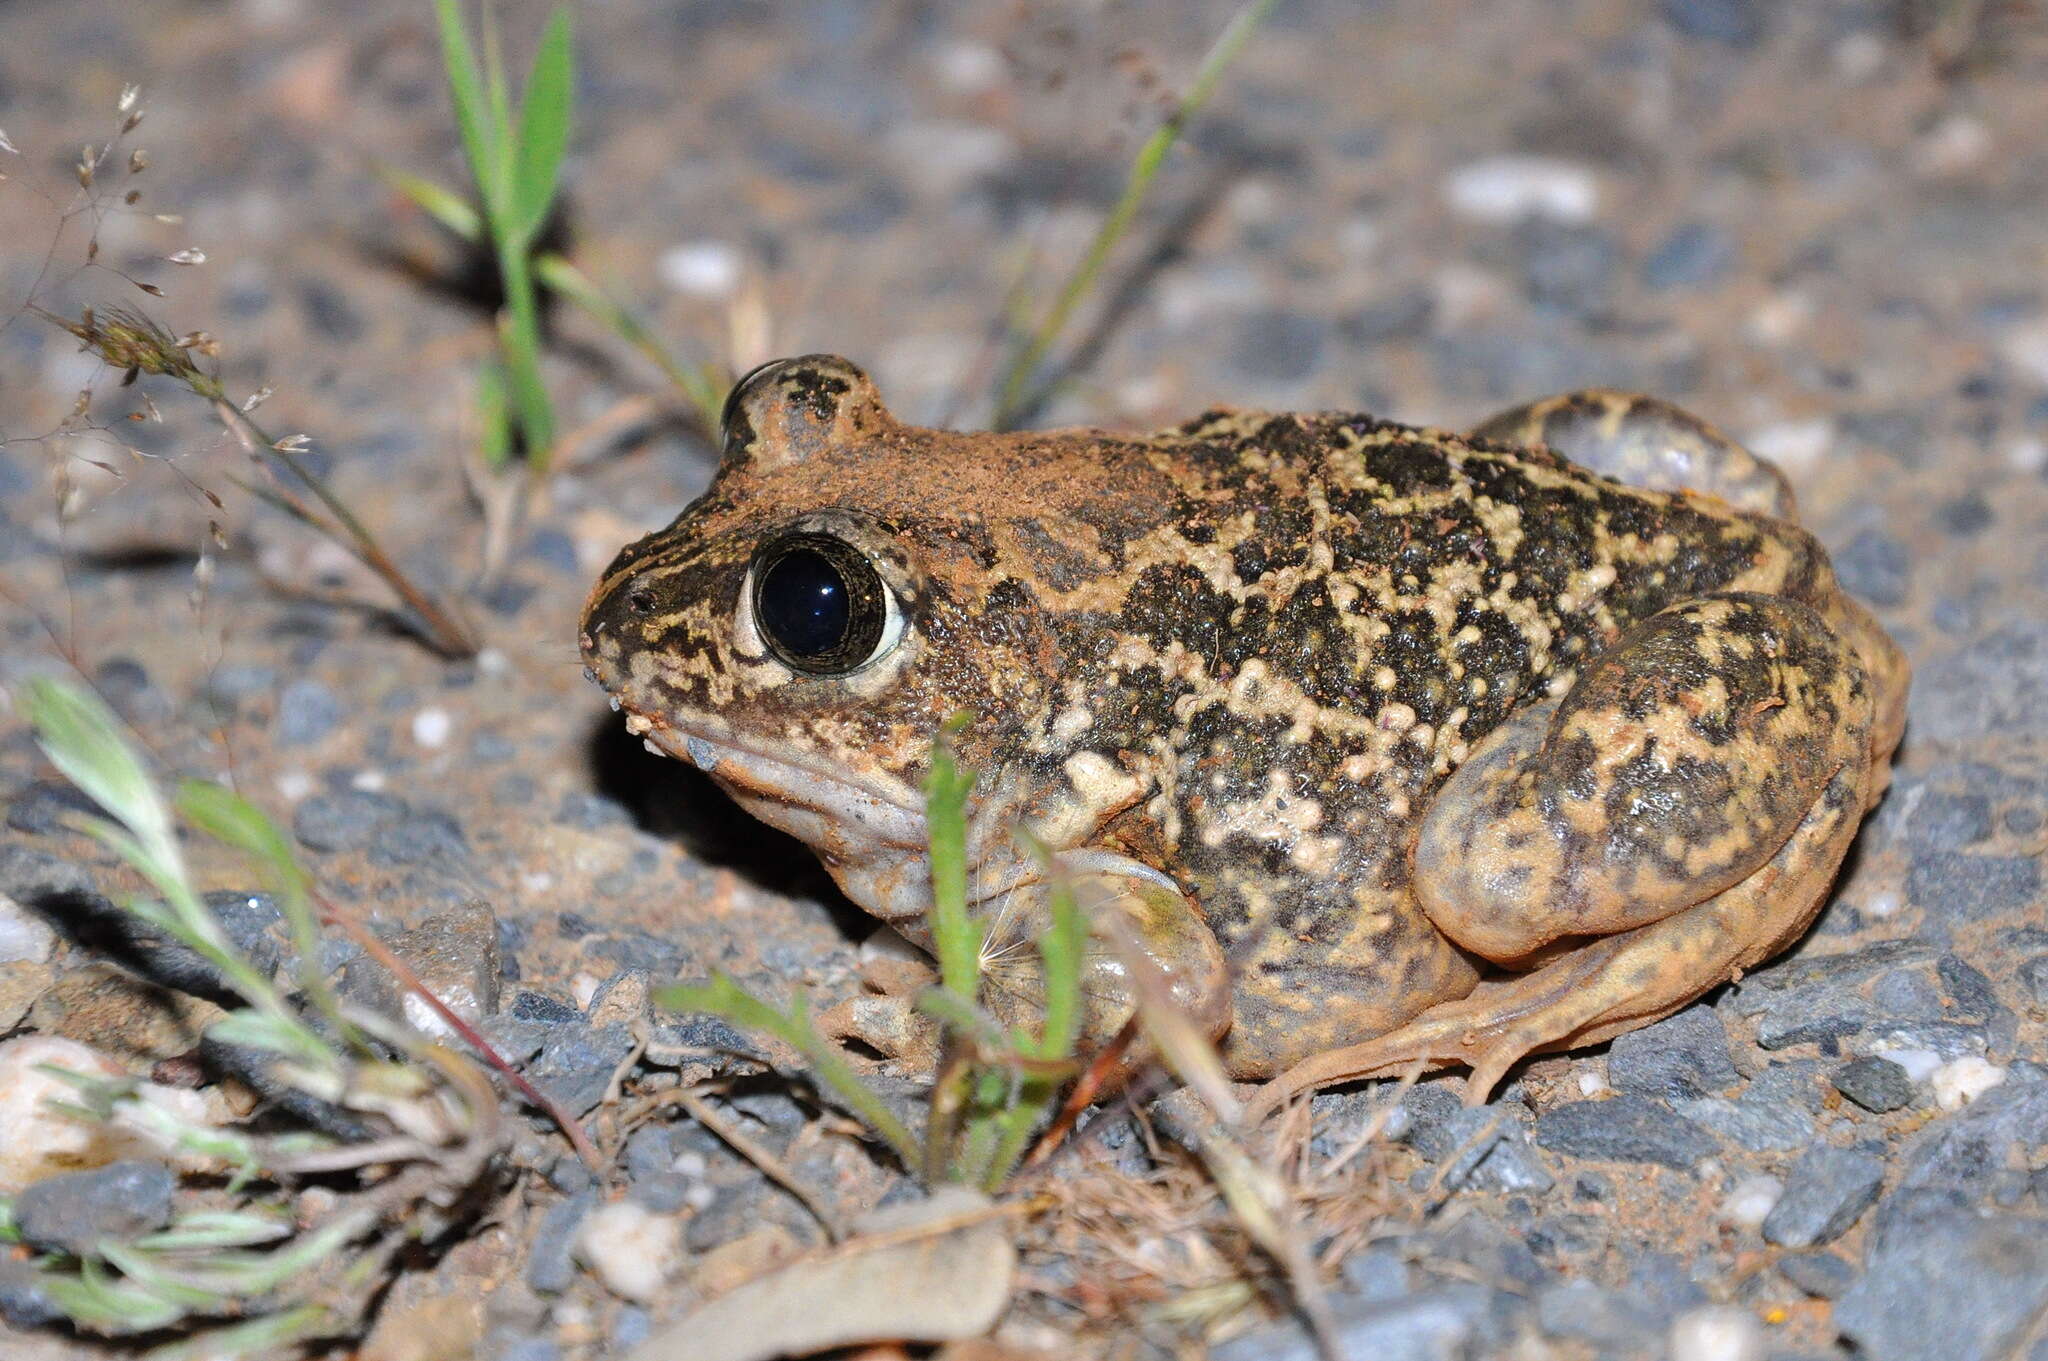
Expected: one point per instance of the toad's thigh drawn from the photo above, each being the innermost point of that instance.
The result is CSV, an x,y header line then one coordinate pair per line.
x,y
1677,766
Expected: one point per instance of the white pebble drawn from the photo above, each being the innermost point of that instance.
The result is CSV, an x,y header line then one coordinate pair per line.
x,y
430,727
2026,349
1591,1083
1918,1063
1795,446
701,269
1751,1201
583,987
294,785
369,781
2027,455
1780,317
23,935
1717,1332
1506,189
37,1140
1884,903
1960,1081
492,661
631,1249
968,68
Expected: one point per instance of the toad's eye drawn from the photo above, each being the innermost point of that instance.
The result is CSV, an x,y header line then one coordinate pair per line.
x,y
820,605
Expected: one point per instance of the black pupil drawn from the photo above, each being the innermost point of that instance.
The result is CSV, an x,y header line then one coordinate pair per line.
x,y
804,603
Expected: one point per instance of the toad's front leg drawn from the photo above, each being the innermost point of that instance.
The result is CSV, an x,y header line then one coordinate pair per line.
x,y
1676,818
1129,907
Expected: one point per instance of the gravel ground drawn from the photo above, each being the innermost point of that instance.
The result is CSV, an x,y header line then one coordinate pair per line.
x,y
1819,223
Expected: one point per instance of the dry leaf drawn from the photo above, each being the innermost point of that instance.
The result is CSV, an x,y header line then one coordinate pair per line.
x,y
938,1270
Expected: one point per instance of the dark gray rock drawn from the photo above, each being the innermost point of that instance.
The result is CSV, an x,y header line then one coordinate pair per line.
x,y
307,711
1449,1323
552,1267
575,1062
345,820
1826,1191
72,1212
1874,1083
1967,987
1684,1055
1906,995
1664,1284
41,881
1993,686
1629,1129
1875,567
1694,255
47,806
591,812
1487,1148
1738,23
1957,884
534,1006
1945,1283
1580,1311
1822,1275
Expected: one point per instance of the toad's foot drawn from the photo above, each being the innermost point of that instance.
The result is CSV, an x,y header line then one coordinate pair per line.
x,y
1675,819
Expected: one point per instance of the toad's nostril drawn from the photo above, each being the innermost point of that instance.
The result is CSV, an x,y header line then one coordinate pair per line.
x,y
640,601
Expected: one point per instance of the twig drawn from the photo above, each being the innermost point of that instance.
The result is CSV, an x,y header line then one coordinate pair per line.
x,y
770,1166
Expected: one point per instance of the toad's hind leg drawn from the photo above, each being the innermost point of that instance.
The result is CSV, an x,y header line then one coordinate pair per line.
x,y
1676,819
1646,442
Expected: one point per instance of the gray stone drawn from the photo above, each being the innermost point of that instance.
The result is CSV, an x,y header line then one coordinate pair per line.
x,y
1279,346
48,806
1874,1083
1665,1285
1945,821
1567,267
307,711
1630,1129
552,1267
1487,1148
2033,976
454,954
576,1063
1967,987
1684,1055
1826,1191
1738,23
534,1006
345,820
1822,1275
1774,1112
422,837
24,1302
1445,1324
1945,1283
73,1212
1580,1311
1694,255
1957,1158
1376,1276
1906,995
1875,567
1988,688
1959,884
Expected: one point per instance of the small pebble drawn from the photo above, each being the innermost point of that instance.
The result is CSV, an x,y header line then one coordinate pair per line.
x,y
1751,1201
430,728
1960,1081
1876,1084
1717,1332
700,269
1918,1064
631,1249
23,934
1507,189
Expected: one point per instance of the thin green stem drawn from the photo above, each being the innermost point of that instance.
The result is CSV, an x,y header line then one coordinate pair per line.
x,y
1018,375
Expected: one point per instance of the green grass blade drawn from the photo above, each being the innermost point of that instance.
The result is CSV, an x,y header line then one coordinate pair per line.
x,y
957,935
480,135
543,130
494,416
437,201
701,385
1019,373
83,740
724,998
519,339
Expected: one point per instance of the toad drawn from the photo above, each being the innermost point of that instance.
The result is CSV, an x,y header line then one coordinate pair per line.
x,y
1393,747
